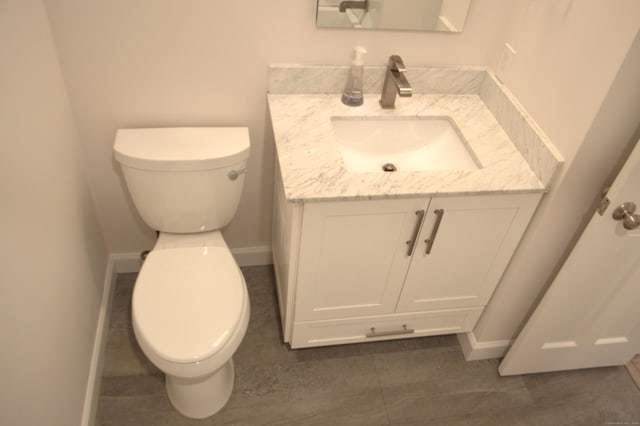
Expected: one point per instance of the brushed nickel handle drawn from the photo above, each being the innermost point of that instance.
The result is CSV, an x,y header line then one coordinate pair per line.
x,y
434,232
404,330
625,213
416,232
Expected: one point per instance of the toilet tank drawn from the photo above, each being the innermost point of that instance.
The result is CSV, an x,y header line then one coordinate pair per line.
x,y
184,179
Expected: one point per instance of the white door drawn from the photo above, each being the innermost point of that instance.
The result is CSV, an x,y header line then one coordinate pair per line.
x,y
590,316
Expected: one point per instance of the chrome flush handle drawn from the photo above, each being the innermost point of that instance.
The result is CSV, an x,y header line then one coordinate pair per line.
x,y
235,174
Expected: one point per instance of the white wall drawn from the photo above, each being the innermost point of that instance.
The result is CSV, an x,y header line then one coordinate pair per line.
x,y
576,72
161,62
52,255
202,62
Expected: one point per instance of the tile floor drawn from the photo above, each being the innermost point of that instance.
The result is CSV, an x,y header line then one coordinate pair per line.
x,y
423,381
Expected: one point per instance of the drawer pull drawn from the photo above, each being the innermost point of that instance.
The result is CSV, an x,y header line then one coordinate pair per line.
x,y
404,330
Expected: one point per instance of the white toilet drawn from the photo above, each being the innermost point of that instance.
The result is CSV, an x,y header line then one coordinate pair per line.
x,y
190,302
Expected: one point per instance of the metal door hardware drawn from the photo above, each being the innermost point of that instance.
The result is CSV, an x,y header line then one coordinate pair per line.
x,y
604,201
625,213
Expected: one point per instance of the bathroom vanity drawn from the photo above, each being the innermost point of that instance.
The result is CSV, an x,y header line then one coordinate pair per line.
x,y
363,254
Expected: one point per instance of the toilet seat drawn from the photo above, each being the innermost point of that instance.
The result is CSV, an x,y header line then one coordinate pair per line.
x,y
187,302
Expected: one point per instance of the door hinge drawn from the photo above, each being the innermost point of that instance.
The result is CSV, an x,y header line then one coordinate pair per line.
x,y
604,202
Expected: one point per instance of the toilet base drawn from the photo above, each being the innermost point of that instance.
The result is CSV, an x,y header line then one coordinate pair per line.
x,y
201,397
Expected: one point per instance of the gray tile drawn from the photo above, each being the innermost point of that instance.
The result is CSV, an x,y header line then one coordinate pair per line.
x,y
152,410
127,278
571,415
311,378
121,304
290,408
123,355
262,344
130,386
438,385
603,395
441,364
421,403
576,386
320,391
261,285
420,381
431,403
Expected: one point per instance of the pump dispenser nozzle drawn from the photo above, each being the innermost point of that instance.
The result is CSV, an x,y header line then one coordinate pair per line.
x,y
352,94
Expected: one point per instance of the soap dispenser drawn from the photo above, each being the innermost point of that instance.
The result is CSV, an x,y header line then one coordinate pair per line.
x,y
352,94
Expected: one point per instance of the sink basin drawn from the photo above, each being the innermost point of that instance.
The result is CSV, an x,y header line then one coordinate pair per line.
x,y
368,144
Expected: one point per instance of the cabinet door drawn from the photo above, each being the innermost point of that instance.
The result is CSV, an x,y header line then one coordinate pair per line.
x,y
353,257
470,250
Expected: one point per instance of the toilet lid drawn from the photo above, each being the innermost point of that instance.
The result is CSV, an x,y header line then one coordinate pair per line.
x,y
188,301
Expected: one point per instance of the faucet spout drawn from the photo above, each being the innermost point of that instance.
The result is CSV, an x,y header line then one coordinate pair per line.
x,y
395,82
344,5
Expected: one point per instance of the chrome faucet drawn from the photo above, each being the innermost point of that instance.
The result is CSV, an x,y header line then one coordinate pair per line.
x,y
344,5
394,83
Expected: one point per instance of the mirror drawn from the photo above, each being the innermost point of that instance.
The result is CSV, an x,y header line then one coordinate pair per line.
x,y
417,15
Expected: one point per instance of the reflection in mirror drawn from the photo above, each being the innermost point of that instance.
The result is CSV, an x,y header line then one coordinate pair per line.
x,y
421,15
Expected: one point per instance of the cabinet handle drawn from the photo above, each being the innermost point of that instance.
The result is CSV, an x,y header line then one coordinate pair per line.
x,y
416,232
375,333
439,214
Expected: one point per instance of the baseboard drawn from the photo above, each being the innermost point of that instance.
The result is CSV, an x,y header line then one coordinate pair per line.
x,y
126,262
245,256
99,345
253,256
474,350
633,367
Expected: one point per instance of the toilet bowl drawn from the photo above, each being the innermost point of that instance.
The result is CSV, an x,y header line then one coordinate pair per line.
x,y
190,306
190,311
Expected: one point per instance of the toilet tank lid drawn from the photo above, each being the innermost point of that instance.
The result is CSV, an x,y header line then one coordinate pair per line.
x,y
181,148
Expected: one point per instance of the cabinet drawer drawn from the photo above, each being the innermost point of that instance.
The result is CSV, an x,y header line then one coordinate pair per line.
x,y
395,326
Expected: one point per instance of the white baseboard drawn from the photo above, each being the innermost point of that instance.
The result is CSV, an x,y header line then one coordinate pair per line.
x,y
474,350
245,256
99,345
253,256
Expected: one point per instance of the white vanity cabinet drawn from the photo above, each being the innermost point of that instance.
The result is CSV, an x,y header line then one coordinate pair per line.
x,y
354,271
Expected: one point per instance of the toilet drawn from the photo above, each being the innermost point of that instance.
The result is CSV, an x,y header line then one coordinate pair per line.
x,y
190,306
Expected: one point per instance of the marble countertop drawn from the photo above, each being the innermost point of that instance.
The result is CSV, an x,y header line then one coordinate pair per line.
x,y
312,168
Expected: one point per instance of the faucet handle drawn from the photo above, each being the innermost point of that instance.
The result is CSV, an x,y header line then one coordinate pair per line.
x,y
396,64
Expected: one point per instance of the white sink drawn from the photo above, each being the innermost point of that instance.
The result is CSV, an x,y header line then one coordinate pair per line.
x,y
403,143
